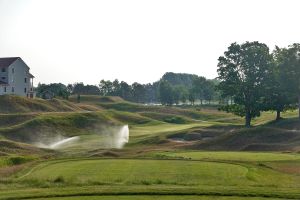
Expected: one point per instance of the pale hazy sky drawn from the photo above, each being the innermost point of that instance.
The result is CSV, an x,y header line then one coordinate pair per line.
x,y
137,40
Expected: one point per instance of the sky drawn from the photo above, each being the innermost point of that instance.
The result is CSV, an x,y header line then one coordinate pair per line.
x,y
70,41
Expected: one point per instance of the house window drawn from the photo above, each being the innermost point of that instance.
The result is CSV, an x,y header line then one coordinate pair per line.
x,y
3,78
3,70
25,90
12,89
25,80
13,70
4,89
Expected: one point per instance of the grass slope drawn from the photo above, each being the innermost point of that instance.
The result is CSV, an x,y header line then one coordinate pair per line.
x,y
158,160
57,124
16,104
280,136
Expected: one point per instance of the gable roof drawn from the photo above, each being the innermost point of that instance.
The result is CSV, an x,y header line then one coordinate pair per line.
x,y
6,62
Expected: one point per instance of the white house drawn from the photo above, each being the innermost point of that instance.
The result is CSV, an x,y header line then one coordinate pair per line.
x,y
15,77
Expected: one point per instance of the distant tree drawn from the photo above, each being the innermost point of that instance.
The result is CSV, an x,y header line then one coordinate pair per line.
x,y
116,88
70,88
192,96
209,90
177,90
78,98
184,94
199,86
80,88
179,79
138,92
106,88
56,89
243,71
151,93
165,93
125,91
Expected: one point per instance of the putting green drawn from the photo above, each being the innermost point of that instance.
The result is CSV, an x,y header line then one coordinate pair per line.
x,y
144,172
148,172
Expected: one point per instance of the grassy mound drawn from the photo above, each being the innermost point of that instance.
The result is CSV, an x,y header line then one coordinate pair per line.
x,y
8,147
276,136
136,176
144,172
16,104
56,124
30,128
169,118
95,99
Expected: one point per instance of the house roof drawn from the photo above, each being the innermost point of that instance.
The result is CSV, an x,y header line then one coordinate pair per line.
x,y
6,62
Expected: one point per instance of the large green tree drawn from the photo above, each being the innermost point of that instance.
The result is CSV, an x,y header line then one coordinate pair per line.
x,y
242,73
278,94
293,68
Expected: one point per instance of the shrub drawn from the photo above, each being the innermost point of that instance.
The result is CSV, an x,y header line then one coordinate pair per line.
x,y
59,179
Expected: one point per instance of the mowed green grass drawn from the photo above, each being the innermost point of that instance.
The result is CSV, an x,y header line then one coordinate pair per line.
x,y
151,197
142,172
157,172
235,156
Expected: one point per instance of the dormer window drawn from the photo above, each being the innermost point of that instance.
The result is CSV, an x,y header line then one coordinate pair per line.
x,y
3,70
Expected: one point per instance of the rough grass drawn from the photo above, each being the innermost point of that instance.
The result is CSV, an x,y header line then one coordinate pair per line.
x,y
276,136
95,98
169,118
15,160
16,104
57,124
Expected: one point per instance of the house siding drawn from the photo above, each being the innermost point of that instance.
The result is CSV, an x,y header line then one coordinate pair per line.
x,y
16,74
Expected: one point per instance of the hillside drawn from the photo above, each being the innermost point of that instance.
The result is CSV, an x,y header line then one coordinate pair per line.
x,y
280,136
16,104
105,145
34,120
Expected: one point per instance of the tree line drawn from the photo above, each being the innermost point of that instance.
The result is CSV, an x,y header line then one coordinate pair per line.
x,y
259,80
249,74
172,88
